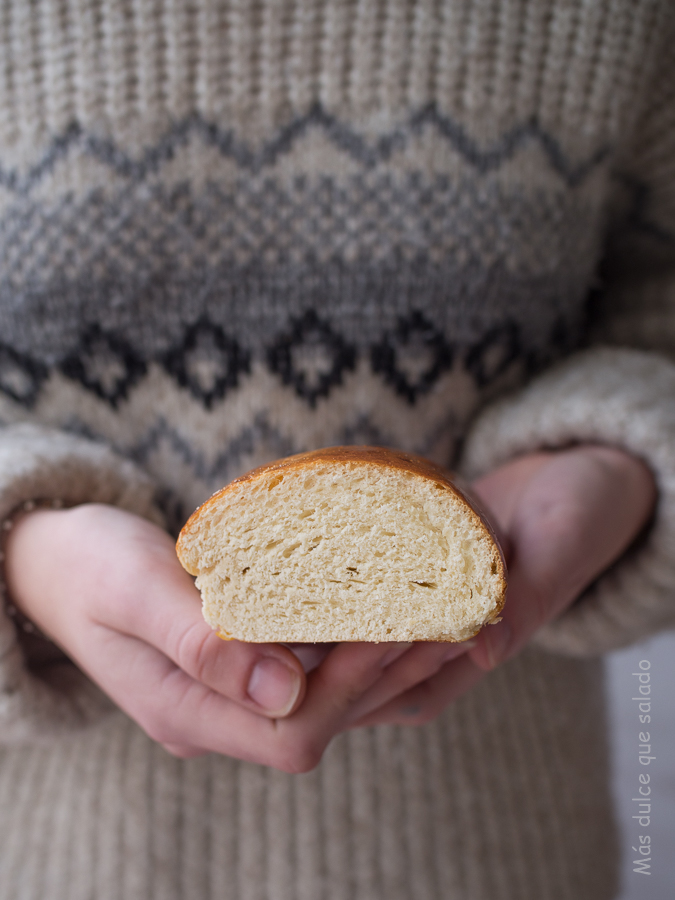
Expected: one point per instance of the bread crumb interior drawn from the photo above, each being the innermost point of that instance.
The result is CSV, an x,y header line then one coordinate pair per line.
x,y
345,552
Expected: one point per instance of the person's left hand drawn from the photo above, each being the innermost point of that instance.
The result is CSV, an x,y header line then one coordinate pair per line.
x,y
565,517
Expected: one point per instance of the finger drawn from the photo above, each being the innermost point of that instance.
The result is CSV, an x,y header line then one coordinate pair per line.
x,y
337,686
574,518
310,655
188,718
266,678
178,711
419,663
427,700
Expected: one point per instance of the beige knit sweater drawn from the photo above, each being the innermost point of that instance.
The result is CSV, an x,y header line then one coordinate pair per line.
x,y
235,230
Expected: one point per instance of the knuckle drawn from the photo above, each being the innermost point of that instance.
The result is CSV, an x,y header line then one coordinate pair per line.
x,y
300,755
351,696
118,600
423,707
177,751
558,516
126,600
193,651
161,716
181,751
609,461
157,728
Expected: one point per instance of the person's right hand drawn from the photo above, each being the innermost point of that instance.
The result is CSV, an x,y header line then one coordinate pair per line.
x,y
107,587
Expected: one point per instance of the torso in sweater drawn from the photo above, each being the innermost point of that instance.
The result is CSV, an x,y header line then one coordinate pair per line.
x,y
235,233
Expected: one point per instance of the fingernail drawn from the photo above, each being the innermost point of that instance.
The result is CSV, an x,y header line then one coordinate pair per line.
x,y
310,655
497,640
396,651
274,686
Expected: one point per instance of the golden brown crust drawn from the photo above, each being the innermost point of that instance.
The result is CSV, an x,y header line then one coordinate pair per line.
x,y
355,455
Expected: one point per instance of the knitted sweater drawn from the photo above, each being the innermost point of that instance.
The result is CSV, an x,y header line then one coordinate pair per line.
x,y
230,231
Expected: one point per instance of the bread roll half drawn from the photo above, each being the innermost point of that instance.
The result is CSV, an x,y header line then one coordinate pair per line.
x,y
344,544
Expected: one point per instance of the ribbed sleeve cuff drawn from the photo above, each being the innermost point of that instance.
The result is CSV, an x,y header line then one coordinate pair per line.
x,y
626,399
38,463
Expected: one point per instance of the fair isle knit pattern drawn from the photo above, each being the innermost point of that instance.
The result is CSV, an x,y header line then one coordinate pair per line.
x,y
266,288
256,229
235,230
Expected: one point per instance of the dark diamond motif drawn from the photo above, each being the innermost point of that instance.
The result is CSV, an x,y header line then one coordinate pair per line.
x,y
494,353
311,358
412,358
104,364
208,362
20,376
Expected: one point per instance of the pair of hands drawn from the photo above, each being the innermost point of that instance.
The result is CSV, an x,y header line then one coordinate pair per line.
x,y
107,587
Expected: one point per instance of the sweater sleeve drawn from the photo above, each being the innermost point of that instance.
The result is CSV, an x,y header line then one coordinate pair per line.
x,y
618,391
39,463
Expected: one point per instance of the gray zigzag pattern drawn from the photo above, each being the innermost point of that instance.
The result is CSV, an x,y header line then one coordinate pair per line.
x,y
259,436
260,432
339,133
